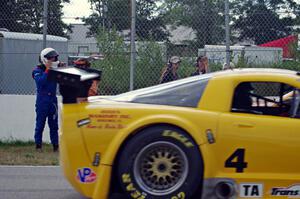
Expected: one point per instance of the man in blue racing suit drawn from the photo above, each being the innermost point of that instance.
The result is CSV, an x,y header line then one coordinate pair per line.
x,y
46,101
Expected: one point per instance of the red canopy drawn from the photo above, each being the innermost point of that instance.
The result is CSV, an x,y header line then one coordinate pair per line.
x,y
283,43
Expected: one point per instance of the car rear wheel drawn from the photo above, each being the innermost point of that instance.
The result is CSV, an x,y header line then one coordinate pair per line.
x,y
160,162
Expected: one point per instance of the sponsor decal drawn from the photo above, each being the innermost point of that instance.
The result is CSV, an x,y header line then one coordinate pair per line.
x,y
130,188
86,175
108,119
83,122
138,194
292,191
96,161
251,190
178,136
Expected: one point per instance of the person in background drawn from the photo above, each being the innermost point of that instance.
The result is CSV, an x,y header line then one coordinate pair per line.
x,y
202,66
46,100
226,67
85,64
170,71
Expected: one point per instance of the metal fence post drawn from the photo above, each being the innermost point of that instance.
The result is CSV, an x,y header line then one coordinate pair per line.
x,y
227,32
45,21
132,43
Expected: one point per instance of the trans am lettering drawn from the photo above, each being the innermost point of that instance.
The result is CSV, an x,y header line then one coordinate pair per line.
x,y
86,175
251,190
293,191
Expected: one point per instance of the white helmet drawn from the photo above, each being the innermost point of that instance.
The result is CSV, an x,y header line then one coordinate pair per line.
x,y
47,54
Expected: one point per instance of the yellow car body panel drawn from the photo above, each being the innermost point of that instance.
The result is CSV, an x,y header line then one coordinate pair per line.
x,y
138,117
72,155
260,137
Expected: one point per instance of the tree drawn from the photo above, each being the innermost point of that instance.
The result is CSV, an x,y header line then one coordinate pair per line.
x,y
206,18
8,15
117,13
262,20
27,16
115,66
30,13
55,24
108,14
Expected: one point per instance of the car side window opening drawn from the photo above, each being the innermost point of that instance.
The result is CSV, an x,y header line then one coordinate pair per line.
x,y
266,98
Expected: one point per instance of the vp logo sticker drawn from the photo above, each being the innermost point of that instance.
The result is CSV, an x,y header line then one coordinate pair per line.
x,y
86,175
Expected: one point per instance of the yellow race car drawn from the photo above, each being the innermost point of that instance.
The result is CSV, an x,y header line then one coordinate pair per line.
x,y
216,135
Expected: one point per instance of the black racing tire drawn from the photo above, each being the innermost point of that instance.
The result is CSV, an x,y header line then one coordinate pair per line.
x,y
160,162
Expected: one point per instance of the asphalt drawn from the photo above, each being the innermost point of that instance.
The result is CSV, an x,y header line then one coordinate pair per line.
x,y
31,182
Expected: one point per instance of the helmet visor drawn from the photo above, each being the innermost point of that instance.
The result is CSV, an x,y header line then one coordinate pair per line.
x,y
52,55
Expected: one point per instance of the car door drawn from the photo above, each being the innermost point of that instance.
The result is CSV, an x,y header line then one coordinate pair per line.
x,y
260,147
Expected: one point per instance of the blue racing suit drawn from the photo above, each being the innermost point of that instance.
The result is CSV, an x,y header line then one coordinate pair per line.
x,y
45,106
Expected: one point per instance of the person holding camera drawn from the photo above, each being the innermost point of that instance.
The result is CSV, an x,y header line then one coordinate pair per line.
x,y
201,66
46,100
85,64
170,71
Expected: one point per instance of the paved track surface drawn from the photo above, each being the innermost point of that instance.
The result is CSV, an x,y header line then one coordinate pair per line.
x,y
26,182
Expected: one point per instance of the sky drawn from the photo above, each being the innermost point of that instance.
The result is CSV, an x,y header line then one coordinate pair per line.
x,y
81,8
76,8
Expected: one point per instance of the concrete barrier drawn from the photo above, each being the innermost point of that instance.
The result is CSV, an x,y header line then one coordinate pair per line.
x,y
17,118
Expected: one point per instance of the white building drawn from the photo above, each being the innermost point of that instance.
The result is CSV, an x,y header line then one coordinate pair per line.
x,y
80,44
252,55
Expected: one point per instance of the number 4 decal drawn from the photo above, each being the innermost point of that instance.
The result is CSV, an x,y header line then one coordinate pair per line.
x,y
237,160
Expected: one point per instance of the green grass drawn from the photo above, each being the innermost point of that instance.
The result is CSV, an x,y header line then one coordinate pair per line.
x,y
16,152
12,142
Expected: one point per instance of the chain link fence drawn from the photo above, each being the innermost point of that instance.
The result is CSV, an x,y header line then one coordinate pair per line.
x,y
262,34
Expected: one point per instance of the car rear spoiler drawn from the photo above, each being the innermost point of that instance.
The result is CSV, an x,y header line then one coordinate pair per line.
x,y
73,82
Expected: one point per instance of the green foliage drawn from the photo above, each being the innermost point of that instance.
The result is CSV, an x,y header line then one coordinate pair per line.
x,y
293,49
185,69
116,63
242,62
17,152
115,66
27,16
8,15
260,21
290,65
107,14
117,13
215,67
204,17
149,64
55,24
15,142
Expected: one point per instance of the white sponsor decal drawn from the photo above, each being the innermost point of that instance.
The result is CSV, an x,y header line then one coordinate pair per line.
x,y
251,190
291,191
